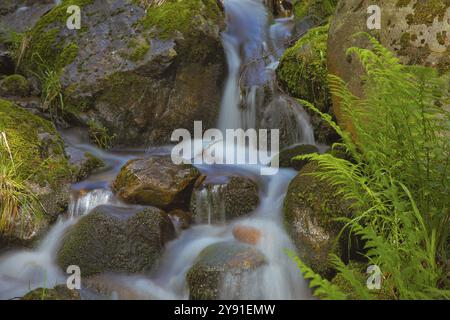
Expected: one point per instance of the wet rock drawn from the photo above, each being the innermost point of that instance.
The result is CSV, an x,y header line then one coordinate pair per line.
x,y
42,166
156,181
318,9
181,219
60,292
229,198
111,239
286,156
245,234
309,209
417,31
140,73
215,262
84,162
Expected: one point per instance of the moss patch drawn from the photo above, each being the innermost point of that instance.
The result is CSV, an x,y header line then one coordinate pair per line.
x,y
188,18
320,9
36,144
303,68
14,85
426,11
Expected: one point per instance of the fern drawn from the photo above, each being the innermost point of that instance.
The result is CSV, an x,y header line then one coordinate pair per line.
x,y
398,180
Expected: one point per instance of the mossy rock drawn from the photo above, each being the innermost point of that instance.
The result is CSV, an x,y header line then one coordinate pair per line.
x,y
286,156
60,292
310,208
319,9
83,163
303,73
228,199
111,239
416,31
215,262
39,151
156,181
14,86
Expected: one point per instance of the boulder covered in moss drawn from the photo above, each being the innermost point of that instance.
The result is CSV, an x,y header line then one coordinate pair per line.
x,y
40,164
318,9
111,239
84,163
206,277
222,199
417,31
14,86
138,74
60,292
303,73
156,181
310,207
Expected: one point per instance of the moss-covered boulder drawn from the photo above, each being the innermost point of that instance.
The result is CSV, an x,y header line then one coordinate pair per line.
x,y
310,207
114,239
416,30
215,262
319,9
60,292
156,181
303,73
140,73
222,199
39,156
286,156
14,86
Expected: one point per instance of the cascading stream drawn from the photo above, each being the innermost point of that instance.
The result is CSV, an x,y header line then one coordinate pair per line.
x,y
247,42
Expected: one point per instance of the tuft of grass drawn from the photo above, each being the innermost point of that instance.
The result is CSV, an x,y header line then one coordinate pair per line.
x,y
101,135
16,199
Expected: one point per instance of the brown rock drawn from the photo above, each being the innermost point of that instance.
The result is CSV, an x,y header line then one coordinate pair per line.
x,y
245,234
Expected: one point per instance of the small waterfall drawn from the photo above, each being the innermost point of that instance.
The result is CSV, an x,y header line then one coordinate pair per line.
x,y
25,270
210,205
251,97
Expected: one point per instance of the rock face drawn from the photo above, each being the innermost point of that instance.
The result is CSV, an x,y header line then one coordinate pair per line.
x,y
137,74
116,240
416,30
156,181
60,292
309,208
41,164
224,199
215,262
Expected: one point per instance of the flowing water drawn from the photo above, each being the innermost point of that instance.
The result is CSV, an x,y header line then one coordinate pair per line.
x,y
253,48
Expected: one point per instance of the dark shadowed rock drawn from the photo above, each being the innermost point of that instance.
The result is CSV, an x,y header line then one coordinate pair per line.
x,y
287,155
114,239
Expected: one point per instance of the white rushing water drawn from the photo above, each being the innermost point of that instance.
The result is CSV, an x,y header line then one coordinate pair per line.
x,y
249,44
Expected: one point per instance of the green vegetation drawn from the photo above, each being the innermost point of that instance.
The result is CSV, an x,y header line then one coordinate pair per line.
x,y
101,135
16,199
320,9
139,49
14,85
35,144
397,180
303,68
